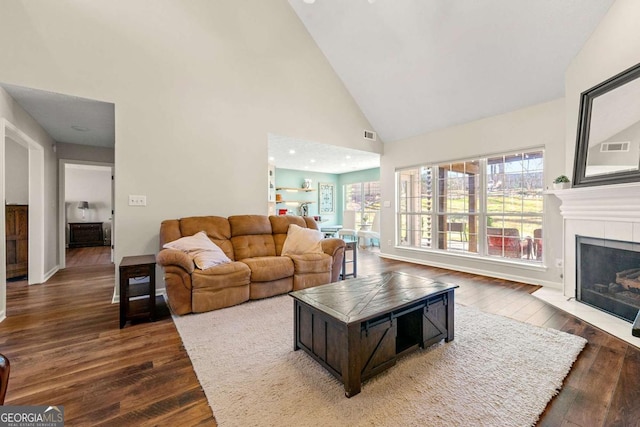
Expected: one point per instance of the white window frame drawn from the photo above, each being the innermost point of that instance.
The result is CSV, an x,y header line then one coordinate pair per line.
x,y
482,209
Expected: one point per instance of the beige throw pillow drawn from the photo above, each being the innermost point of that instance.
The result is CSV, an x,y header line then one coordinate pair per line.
x,y
302,241
201,250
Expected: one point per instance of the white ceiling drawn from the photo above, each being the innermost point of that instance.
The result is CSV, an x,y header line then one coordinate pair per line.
x,y
412,66
316,157
58,114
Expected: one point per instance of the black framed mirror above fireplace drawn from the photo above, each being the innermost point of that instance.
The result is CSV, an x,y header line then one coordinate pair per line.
x,y
608,139
608,276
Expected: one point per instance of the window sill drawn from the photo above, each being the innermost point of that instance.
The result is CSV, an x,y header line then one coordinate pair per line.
x,y
522,264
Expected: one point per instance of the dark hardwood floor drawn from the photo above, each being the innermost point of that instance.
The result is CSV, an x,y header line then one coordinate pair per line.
x,y
66,348
94,255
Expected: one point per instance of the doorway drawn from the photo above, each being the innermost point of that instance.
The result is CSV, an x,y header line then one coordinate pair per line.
x,y
36,216
16,209
86,213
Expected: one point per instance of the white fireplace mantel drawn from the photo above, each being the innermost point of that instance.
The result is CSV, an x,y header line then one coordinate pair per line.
x,y
605,212
604,202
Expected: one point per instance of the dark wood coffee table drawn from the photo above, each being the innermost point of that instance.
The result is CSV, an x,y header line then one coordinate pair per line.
x,y
357,328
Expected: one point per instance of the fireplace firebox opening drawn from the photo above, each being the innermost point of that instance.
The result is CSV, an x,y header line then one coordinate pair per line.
x,y
608,276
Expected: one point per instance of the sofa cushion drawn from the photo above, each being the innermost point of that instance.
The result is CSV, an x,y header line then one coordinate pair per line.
x,y
265,269
253,246
203,251
217,229
221,276
243,225
251,236
280,223
311,263
302,241
280,227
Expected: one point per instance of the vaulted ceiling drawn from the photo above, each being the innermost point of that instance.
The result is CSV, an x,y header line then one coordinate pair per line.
x,y
414,66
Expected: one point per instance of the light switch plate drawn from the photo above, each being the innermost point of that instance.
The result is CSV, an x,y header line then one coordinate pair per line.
x,y
137,200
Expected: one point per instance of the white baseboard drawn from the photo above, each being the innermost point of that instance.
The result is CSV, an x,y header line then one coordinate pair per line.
x,y
480,272
49,274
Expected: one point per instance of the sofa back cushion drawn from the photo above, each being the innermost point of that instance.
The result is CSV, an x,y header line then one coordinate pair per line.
x,y
251,236
217,229
169,231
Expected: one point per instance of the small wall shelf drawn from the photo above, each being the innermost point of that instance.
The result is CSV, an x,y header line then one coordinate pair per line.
x,y
300,202
306,190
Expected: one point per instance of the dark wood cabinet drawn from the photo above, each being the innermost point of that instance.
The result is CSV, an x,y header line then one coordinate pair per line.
x,y
83,234
17,240
137,288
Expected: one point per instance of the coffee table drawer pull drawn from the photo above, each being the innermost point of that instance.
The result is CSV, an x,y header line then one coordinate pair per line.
x,y
370,324
440,300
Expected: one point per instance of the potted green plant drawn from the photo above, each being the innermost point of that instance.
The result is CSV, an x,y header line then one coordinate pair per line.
x,y
561,182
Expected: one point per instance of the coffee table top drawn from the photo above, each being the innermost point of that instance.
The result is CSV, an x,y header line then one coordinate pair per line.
x,y
357,300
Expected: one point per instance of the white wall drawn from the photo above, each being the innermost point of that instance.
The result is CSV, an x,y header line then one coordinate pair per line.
x,y
10,110
538,126
197,86
16,173
612,48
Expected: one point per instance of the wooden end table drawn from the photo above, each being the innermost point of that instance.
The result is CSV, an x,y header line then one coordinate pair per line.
x,y
137,288
353,248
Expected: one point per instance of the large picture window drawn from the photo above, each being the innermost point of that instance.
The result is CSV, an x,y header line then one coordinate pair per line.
x,y
488,206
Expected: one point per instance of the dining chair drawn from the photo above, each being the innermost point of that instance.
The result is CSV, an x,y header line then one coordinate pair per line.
x,y
372,234
348,225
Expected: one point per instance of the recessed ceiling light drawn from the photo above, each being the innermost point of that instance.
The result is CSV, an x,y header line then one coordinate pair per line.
x,y
348,157
79,128
343,165
292,151
271,159
312,160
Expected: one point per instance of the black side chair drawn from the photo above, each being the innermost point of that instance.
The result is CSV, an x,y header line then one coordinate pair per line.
x,y
5,367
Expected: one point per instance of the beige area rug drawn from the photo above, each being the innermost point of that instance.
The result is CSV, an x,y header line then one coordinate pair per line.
x,y
496,372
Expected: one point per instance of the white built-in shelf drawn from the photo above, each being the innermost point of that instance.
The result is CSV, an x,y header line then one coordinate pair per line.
x,y
306,190
300,202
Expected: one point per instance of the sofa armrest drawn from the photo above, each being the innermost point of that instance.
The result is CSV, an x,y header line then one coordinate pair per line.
x,y
175,257
334,248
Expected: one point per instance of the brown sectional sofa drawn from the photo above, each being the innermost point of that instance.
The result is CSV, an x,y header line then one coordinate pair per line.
x,y
254,244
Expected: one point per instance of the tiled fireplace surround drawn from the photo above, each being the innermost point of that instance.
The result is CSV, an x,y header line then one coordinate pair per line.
x,y
608,212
